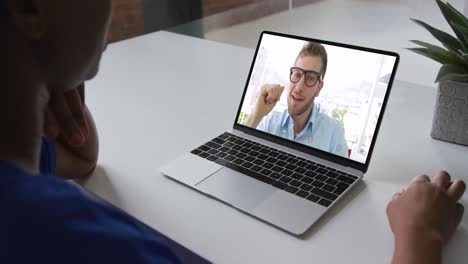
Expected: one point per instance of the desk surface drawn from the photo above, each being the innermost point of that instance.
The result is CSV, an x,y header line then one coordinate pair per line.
x,y
162,94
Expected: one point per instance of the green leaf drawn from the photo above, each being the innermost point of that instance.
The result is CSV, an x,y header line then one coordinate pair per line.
x,y
459,15
463,30
446,39
440,55
449,71
453,17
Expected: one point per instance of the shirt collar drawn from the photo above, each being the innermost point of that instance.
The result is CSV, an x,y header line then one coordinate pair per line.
x,y
312,119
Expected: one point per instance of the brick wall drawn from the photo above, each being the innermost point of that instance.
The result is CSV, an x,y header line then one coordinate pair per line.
x,y
211,7
127,20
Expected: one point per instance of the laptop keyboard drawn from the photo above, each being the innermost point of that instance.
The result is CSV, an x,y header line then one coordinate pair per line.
x,y
304,178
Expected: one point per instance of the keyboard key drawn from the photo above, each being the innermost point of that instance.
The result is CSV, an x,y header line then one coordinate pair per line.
x,y
306,187
213,151
310,174
224,149
255,148
332,174
204,148
238,161
281,163
275,175
321,171
262,157
324,194
318,184
249,158
307,179
228,144
324,202
272,160
339,191
311,167
264,150
213,145
286,172
302,164
219,141
277,168
345,179
254,153
247,165
258,162
238,142
285,179
266,172
204,155
221,155
280,185
300,170
292,160
245,150
295,183
274,154
297,176
241,155
196,151
291,189
232,152
237,147
268,165
224,136
312,197
256,168
230,158
342,185
282,157
302,194
291,167
247,145
331,181
328,188
212,158
321,178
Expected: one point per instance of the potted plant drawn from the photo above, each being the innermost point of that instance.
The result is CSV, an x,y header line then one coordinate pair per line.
x,y
450,121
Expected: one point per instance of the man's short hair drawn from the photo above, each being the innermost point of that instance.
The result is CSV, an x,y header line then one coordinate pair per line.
x,y
315,49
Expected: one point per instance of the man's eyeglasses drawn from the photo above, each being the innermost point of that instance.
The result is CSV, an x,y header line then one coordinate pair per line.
x,y
311,77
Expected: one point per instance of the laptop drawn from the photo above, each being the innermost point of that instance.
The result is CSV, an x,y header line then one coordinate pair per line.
x,y
312,142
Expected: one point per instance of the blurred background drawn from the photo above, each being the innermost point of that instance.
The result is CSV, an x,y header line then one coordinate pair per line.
x,y
381,24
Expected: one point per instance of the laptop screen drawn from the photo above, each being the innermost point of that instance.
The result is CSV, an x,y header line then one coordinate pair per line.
x,y
325,96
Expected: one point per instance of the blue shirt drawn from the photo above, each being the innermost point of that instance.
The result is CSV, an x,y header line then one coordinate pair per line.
x,y
321,132
45,219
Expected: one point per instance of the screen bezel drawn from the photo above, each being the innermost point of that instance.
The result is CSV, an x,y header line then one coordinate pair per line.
x,y
347,162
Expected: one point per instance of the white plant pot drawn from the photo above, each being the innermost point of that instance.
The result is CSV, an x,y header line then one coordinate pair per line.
x,y
450,121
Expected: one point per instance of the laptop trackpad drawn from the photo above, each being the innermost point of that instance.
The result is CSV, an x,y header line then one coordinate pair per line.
x,y
237,189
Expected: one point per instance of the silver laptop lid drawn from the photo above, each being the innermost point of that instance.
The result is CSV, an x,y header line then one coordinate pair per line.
x,y
334,93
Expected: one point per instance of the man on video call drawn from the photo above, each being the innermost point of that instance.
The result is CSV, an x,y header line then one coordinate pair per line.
x,y
302,120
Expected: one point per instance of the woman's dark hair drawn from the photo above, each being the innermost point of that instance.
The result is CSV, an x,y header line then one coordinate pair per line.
x,y
3,13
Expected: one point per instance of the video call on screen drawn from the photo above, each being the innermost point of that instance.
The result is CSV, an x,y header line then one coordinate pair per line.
x,y
336,112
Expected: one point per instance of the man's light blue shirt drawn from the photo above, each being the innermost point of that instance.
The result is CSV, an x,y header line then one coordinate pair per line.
x,y
322,131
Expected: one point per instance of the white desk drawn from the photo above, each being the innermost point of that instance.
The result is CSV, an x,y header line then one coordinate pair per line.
x,y
162,94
